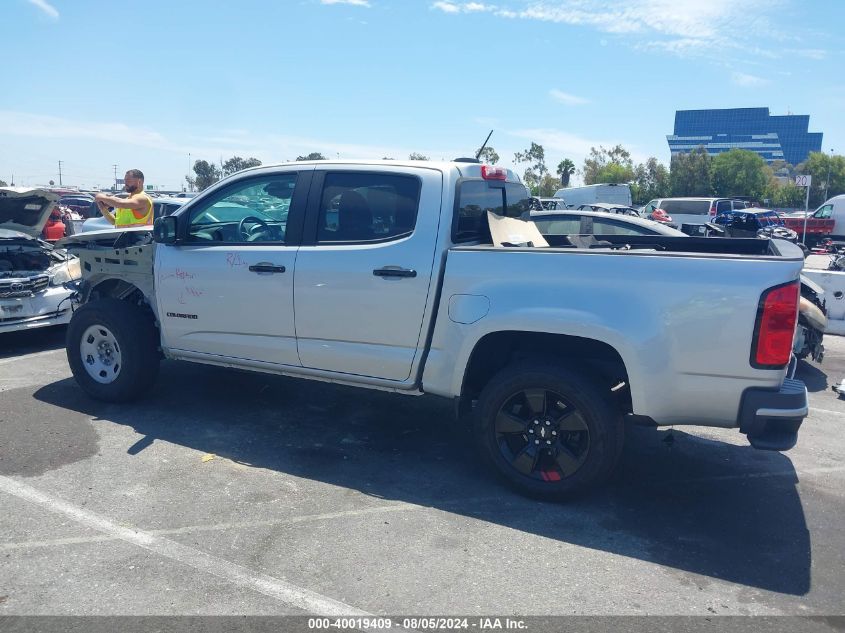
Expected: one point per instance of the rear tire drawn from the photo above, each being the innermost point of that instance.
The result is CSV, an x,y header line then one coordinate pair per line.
x,y
548,431
112,350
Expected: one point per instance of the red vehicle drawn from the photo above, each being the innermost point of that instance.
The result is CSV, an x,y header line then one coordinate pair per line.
x,y
818,227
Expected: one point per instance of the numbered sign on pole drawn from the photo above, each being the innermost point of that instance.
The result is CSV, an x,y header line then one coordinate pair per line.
x,y
803,181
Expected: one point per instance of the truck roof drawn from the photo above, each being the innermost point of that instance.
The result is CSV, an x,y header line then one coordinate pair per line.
x,y
469,170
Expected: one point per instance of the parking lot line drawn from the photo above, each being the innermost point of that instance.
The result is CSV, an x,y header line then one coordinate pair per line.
x,y
23,357
216,527
281,590
815,410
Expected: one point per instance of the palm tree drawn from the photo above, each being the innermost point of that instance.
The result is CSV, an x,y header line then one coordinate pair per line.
x,y
565,169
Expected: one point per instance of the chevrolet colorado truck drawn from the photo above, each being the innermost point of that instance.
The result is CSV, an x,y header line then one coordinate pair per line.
x,y
383,275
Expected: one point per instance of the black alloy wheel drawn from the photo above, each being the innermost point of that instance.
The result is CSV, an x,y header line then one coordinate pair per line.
x,y
548,431
542,435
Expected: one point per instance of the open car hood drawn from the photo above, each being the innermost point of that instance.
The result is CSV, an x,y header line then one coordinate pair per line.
x,y
25,210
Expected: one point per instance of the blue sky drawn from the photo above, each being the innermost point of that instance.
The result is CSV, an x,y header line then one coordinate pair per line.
x,y
143,84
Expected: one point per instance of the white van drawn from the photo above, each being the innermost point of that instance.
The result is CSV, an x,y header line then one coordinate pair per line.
x,y
833,209
588,194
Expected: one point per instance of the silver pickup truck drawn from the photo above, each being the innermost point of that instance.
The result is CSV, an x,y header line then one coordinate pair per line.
x,y
382,274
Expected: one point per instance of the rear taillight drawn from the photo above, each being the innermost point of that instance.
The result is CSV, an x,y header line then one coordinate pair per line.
x,y
774,330
712,211
489,172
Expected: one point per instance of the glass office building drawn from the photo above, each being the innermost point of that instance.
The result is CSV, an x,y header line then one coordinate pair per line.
x,y
772,137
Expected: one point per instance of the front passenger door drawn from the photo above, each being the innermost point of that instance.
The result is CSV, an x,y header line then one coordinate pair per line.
x,y
226,289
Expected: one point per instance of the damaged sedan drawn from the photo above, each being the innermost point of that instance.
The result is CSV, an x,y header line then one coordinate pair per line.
x,y
33,273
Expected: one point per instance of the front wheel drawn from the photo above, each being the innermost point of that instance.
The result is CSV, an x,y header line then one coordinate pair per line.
x,y
548,431
112,350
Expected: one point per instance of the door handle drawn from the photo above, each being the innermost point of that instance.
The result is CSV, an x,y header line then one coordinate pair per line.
x,y
394,272
266,268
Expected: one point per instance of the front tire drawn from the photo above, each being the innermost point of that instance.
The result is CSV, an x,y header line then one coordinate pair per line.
x,y
112,350
548,431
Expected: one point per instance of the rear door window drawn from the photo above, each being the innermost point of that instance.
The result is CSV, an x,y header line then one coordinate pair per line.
x,y
367,207
723,206
559,225
601,226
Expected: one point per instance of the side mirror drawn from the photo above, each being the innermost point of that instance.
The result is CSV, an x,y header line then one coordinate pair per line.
x,y
165,230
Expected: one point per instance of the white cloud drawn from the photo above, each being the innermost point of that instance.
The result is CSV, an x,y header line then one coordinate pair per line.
x,y
565,98
748,81
562,144
680,27
46,7
464,7
40,126
24,133
476,7
809,53
446,7
354,3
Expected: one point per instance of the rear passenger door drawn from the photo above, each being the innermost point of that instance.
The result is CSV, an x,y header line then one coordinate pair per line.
x,y
364,272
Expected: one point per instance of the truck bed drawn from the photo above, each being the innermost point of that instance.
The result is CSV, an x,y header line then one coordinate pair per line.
x,y
680,312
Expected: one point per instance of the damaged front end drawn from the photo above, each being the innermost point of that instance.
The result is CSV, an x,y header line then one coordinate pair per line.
x,y
115,263
33,278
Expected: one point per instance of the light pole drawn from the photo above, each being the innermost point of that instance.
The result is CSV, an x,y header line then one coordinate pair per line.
x,y
827,182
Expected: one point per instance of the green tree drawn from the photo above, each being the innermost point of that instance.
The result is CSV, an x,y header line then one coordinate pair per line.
x,y
614,173
740,172
206,174
817,165
599,159
786,196
535,158
3,183
651,180
488,155
312,156
417,156
236,163
565,169
689,173
549,184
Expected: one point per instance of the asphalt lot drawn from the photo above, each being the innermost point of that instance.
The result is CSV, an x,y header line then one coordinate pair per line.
x,y
234,493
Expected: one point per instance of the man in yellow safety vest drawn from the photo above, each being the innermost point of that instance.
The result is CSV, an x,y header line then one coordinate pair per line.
x,y
136,210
